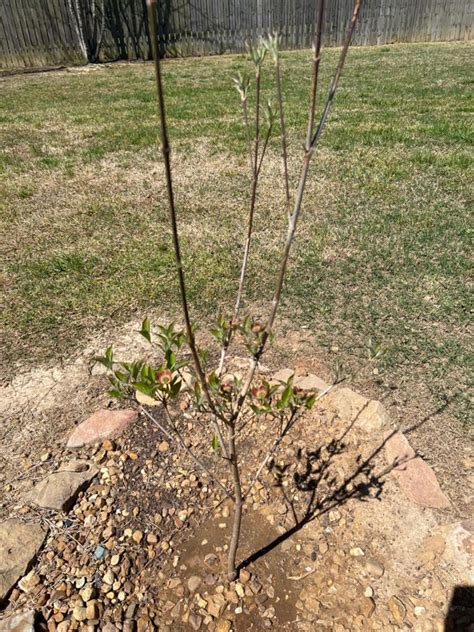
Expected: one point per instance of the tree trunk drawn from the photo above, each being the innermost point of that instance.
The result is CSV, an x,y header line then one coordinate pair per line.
x,y
238,506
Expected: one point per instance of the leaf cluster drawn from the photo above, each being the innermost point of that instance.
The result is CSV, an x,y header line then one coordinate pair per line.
x,y
280,398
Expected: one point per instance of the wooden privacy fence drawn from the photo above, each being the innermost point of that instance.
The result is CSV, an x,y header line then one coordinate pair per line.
x,y
38,33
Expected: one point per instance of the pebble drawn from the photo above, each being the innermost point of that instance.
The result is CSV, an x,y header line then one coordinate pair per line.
x,y
356,552
92,610
194,621
174,582
244,576
419,611
137,536
79,613
374,567
86,593
193,583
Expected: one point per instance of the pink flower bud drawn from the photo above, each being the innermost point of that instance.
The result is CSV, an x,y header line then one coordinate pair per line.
x,y
260,391
256,328
165,376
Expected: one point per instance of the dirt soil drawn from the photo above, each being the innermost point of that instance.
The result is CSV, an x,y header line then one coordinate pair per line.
x,y
330,540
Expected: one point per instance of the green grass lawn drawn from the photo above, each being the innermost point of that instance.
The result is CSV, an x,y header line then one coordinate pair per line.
x,y
384,246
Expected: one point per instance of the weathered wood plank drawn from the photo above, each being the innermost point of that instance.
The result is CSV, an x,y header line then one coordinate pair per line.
x,y
41,32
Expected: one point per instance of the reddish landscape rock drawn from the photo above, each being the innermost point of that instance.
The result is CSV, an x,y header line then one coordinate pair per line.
x,y
104,424
415,476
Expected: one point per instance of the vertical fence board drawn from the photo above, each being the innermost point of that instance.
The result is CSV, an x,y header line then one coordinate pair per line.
x,y
35,33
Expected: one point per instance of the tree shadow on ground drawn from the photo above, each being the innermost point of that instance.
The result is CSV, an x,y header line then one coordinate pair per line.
x,y
460,615
318,481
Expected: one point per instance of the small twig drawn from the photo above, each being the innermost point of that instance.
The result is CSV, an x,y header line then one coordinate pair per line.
x,y
25,474
297,578
55,528
157,423
264,148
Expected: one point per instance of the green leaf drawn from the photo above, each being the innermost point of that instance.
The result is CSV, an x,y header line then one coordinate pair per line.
x,y
144,388
175,388
216,332
114,392
213,380
122,377
107,359
150,373
170,359
145,330
286,395
310,401
197,391
180,364
215,443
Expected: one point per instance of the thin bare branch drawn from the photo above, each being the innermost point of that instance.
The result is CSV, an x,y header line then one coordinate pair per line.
x,y
284,150
165,147
256,165
264,148
272,44
337,75
245,112
295,215
271,451
315,62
